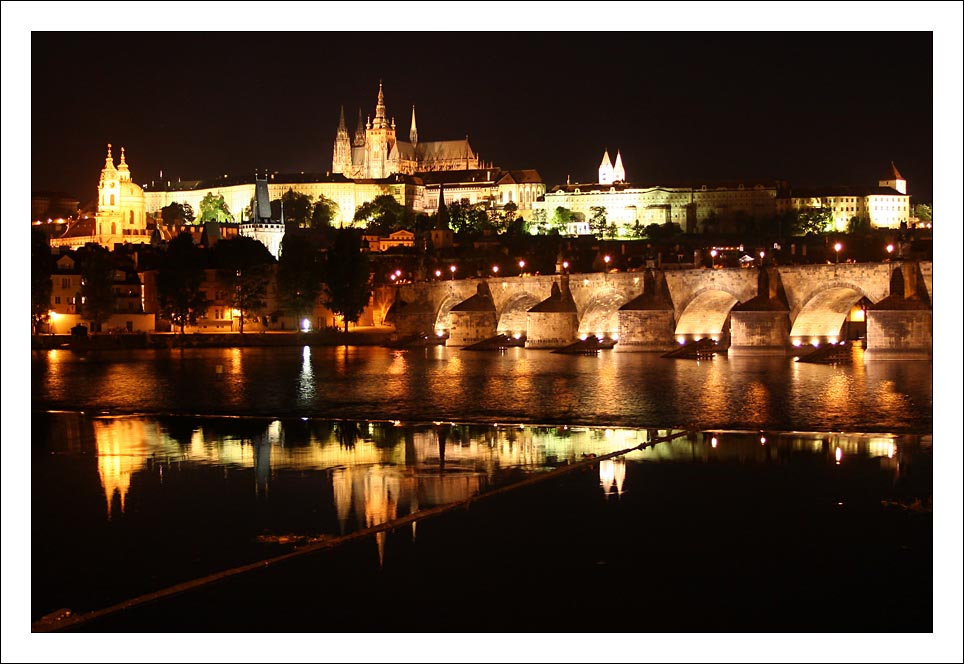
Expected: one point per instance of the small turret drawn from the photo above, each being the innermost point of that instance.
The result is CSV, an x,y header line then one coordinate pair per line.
x,y
413,132
605,169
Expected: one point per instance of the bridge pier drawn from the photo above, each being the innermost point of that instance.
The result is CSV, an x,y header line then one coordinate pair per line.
x,y
553,323
647,323
474,319
761,325
900,327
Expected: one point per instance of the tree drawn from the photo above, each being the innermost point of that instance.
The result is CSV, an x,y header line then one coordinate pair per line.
x,y
382,215
323,212
813,221
179,278
924,212
560,219
346,276
244,266
858,224
177,212
41,287
597,222
294,208
539,221
299,273
213,208
96,285
468,217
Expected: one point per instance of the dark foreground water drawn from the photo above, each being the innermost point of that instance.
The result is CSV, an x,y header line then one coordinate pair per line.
x,y
791,498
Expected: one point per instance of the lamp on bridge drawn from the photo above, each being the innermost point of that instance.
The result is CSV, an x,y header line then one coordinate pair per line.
x,y
606,260
438,274
452,270
890,251
495,270
713,253
837,247
522,265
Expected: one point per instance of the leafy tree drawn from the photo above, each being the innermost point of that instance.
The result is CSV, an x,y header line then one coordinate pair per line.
x,y
813,221
294,207
469,218
346,276
179,278
323,212
213,208
299,273
924,212
41,267
177,212
561,218
858,224
597,221
96,285
539,221
244,266
382,215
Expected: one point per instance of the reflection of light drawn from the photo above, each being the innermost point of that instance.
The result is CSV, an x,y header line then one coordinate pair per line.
x,y
612,472
838,454
583,337
763,440
614,337
892,451
517,335
713,441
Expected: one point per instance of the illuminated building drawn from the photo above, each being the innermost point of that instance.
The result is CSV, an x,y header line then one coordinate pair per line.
x,y
629,204
120,217
885,206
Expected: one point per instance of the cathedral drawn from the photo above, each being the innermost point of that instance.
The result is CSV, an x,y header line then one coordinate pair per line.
x,y
375,153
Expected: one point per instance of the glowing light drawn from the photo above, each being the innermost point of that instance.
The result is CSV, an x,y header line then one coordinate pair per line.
x,y
606,259
797,342
438,273
837,247
890,248
439,333
522,265
305,325
714,339
516,335
614,337
398,273
815,342
565,265
452,269
583,337
681,340
713,442
892,451
832,341
763,440
838,455
713,253
53,315
585,282
495,269
393,277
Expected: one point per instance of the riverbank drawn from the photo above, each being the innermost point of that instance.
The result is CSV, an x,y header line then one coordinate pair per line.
x,y
357,336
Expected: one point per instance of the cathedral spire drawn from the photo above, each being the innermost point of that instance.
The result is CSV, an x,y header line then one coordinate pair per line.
x,y
619,173
605,169
341,122
380,120
359,131
413,133
122,168
109,163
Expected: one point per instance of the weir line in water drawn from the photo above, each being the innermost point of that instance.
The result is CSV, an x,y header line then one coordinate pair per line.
x,y
64,619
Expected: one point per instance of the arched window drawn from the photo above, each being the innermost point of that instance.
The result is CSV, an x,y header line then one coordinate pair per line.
x,y
112,199
132,217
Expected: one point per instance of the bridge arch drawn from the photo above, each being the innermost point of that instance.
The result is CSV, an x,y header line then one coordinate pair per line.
x,y
705,313
442,321
512,316
600,315
823,313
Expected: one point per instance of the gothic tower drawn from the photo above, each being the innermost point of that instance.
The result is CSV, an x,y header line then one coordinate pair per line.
x,y
379,140
413,132
606,169
341,159
359,140
619,173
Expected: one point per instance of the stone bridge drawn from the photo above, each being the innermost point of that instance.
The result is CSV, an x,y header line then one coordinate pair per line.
x,y
762,311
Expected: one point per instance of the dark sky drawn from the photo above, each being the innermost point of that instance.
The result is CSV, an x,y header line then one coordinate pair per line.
x,y
809,107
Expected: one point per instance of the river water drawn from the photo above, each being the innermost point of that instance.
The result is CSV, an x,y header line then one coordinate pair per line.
x,y
156,467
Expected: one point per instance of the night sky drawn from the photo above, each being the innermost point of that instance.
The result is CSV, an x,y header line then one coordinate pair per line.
x,y
813,108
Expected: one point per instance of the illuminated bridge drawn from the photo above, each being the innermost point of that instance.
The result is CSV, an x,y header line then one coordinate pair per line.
x,y
761,311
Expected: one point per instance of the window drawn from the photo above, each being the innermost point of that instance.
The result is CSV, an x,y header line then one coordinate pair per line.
x,y
56,299
65,282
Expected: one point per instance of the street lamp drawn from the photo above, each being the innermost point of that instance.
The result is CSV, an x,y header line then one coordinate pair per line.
x,y
713,253
565,265
837,247
438,274
890,250
606,260
522,265
452,270
495,269
762,254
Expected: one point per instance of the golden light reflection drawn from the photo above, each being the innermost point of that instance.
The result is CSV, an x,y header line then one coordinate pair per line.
x,y
838,455
612,475
122,449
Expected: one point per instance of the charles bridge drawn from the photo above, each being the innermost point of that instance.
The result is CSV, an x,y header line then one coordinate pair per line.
x,y
750,311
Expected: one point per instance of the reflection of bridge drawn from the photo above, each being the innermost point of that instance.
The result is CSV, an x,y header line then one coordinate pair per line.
x,y
759,311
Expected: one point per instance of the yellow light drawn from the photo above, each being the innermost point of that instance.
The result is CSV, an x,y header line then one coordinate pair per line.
x,y
583,337
713,442
54,315
495,268
438,273
890,248
565,265
832,341
797,342
517,335
815,342
614,337
681,340
522,264
763,440
838,455
837,247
